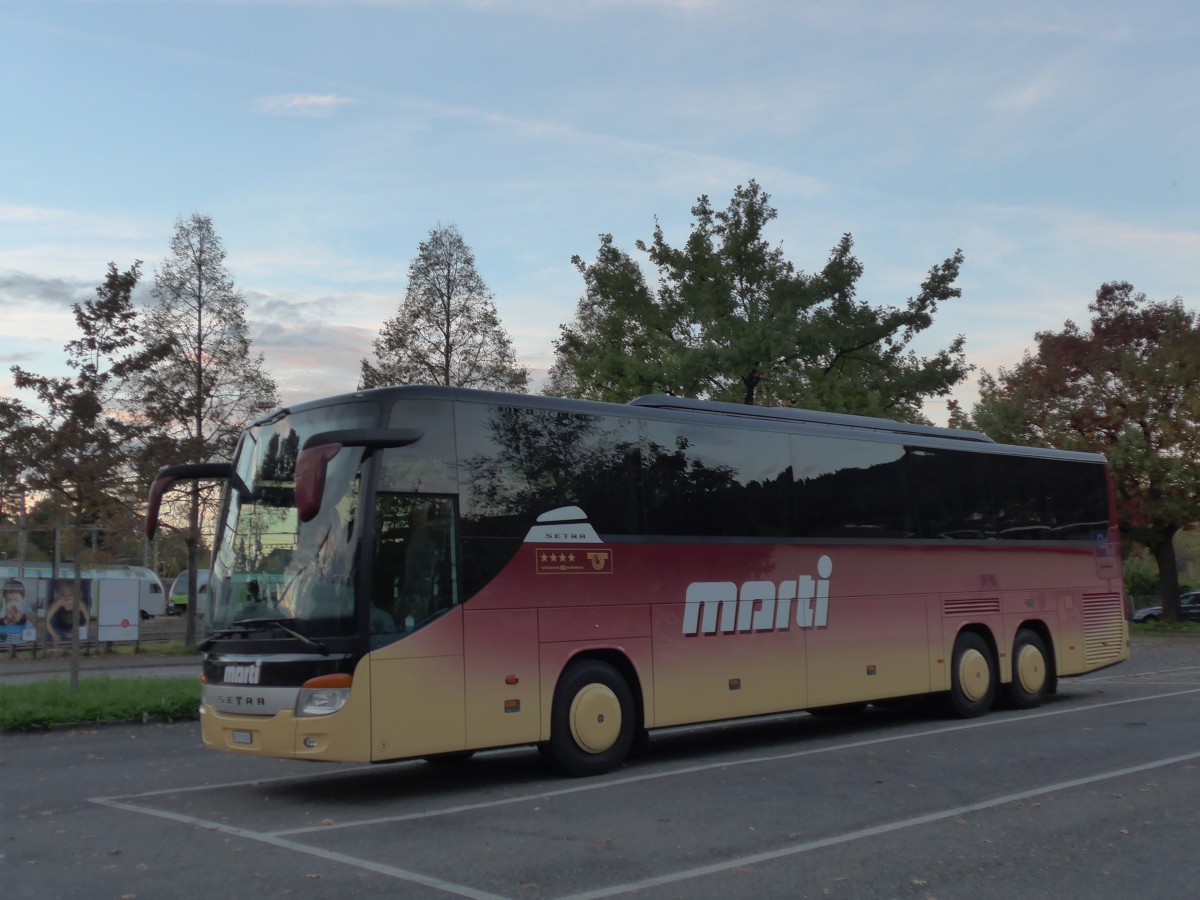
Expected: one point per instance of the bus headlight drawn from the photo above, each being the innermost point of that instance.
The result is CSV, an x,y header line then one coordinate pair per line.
x,y
323,695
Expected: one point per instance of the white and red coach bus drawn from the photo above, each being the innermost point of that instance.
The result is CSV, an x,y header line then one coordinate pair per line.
x,y
423,571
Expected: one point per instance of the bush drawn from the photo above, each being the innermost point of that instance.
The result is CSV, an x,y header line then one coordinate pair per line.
x,y
1141,577
99,699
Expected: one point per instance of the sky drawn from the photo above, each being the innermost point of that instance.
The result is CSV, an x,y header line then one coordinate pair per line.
x,y
1056,144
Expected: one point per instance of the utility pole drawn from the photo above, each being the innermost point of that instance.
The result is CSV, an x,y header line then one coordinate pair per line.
x,y
22,536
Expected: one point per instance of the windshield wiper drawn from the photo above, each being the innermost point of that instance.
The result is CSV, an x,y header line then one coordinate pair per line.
x,y
241,626
278,623
217,635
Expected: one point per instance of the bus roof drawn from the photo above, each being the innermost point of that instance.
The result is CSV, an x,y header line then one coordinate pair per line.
x,y
648,402
807,416
667,406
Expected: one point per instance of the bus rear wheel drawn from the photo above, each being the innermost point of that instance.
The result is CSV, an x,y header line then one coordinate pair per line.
x,y
972,676
1031,671
592,724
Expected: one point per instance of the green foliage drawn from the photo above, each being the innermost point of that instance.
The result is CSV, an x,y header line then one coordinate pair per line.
x,y
732,319
1127,386
1141,578
13,418
1192,628
99,699
73,446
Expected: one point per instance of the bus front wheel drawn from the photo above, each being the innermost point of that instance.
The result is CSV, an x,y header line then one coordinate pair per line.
x,y
1031,671
972,676
592,725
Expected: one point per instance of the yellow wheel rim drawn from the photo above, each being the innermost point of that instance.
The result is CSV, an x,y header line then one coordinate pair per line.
x,y
974,675
595,718
1031,669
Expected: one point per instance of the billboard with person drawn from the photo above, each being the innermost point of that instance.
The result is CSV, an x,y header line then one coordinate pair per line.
x,y
62,601
20,617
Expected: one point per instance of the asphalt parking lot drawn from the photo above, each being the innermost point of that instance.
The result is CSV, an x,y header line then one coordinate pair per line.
x,y
1096,794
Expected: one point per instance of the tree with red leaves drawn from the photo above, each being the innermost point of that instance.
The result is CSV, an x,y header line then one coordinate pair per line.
x,y
1127,387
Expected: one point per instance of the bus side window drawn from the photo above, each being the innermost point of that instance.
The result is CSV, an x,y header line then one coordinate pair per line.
x,y
414,576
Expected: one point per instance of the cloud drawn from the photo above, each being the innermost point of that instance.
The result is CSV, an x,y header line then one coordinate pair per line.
x,y
300,310
10,212
310,360
18,289
18,357
311,105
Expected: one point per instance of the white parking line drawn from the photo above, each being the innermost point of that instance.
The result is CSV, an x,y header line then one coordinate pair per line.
x,y
873,831
281,838
1132,676
596,785
449,887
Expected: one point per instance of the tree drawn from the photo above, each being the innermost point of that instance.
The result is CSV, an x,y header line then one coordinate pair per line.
x,y
74,445
204,393
1127,387
732,319
446,330
13,417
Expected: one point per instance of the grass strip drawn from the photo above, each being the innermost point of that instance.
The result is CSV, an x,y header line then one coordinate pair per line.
x,y
99,699
1165,627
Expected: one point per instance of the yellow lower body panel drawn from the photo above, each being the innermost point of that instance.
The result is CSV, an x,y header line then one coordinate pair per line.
x,y
343,736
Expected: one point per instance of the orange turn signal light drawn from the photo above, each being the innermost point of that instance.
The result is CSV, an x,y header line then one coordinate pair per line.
x,y
336,680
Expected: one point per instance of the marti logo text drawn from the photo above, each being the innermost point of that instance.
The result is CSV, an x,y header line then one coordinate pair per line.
x,y
712,606
243,674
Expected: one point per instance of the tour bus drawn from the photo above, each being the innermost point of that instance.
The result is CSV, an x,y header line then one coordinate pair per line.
x,y
465,570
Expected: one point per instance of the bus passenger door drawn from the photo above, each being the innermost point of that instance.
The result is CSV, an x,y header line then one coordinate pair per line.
x,y
416,627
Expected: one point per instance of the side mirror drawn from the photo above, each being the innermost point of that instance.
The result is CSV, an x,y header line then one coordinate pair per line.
x,y
188,472
310,478
321,448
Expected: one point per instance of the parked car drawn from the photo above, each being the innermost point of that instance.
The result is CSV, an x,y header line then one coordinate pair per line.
x,y
1189,609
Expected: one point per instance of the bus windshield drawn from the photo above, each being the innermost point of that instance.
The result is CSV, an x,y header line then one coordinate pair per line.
x,y
269,567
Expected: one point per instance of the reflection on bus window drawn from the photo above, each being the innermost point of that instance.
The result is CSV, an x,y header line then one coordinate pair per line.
x,y
414,562
269,565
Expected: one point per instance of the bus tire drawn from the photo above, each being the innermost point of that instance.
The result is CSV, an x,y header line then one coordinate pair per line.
x,y
592,724
1031,671
972,676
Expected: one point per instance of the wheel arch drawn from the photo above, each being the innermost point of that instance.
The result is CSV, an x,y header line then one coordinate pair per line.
x,y
614,657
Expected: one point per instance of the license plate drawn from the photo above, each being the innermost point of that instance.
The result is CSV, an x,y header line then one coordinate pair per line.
x,y
243,737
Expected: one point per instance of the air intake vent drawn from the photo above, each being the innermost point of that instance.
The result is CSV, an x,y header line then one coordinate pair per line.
x,y
973,606
1103,629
